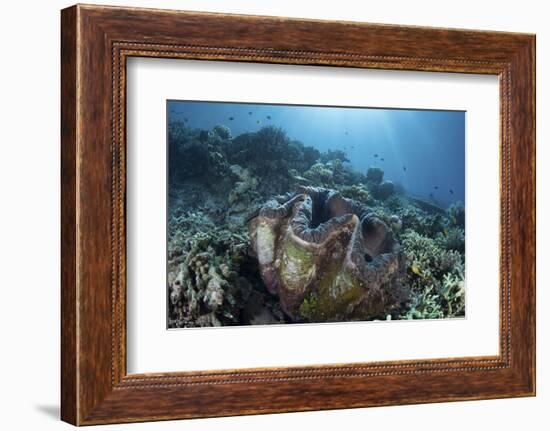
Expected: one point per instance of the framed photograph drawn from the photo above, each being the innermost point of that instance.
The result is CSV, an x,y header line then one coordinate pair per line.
x,y
264,214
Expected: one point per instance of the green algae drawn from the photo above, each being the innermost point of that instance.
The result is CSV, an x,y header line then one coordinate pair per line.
x,y
297,265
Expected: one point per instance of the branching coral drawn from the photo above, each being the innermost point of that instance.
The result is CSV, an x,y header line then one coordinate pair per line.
x,y
206,287
452,292
435,276
452,239
420,221
425,305
457,214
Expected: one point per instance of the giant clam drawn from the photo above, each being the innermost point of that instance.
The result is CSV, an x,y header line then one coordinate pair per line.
x,y
328,258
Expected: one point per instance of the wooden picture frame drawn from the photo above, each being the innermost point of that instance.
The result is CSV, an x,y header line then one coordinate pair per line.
x,y
95,43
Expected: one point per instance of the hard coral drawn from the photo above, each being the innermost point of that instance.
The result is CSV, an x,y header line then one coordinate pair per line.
x,y
357,192
431,270
375,175
205,285
270,155
320,174
195,153
222,131
384,190
457,214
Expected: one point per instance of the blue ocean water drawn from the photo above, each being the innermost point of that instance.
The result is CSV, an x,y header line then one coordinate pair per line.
x,y
422,150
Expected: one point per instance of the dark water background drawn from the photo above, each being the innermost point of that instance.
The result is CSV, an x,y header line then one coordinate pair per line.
x,y
423,150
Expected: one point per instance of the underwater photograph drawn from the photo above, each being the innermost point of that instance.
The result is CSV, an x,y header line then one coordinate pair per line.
x,y
280,214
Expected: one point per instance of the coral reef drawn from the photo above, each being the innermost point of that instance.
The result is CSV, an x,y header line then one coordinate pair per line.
x,y
418,220
321,174
326,257
270,154
207,282
196,153
452,239
344,245
457,214
396,223
357,192
384,190
380,189
332,155
375,175
435,275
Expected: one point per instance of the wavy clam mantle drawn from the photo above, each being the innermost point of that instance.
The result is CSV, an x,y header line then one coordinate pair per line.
x,y
328,258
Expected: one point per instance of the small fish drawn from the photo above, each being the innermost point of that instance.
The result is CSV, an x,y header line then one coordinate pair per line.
x,y
249,112
404,169
382,159
451,192
186,119
258,121
431,195
445,231
346,133
352,146
268,117
376,155
231,118
436,187
415,269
